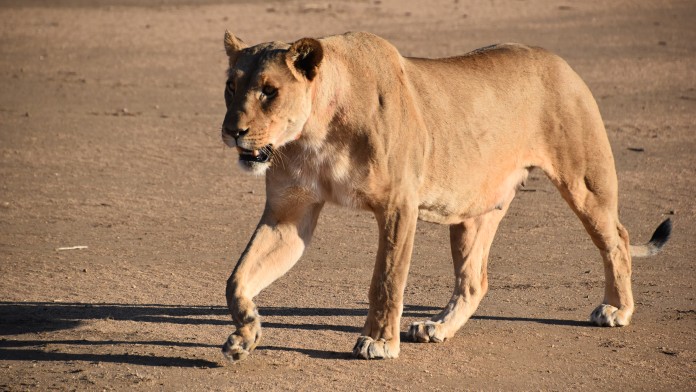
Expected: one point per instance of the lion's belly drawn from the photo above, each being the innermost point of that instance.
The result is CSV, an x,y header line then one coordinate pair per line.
x,y
432,214
447,212
447,205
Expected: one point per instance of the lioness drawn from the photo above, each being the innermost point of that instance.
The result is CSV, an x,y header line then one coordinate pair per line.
x,y
347,119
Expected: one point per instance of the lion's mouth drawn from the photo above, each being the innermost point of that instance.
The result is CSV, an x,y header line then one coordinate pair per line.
x,y
262,155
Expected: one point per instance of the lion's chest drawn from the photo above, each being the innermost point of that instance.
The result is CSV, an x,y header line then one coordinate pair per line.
x,y
331,178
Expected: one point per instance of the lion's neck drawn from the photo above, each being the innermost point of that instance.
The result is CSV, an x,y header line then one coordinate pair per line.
x,y
321,159
330,114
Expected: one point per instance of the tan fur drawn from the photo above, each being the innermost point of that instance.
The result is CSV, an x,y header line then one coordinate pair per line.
x,y
447,141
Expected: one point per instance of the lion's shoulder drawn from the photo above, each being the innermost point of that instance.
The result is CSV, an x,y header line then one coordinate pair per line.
x,y
360,45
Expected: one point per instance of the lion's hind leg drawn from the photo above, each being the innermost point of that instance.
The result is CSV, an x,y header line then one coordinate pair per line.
x,y
594,199
470,241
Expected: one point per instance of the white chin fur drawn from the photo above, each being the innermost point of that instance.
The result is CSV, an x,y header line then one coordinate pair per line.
x,y
255,168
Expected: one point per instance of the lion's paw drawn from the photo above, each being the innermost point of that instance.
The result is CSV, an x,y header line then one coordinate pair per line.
x,y
368,348
237,348
426,331
606,315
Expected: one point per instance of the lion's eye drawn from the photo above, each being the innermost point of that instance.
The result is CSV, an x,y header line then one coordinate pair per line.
x,y
230,87
269,91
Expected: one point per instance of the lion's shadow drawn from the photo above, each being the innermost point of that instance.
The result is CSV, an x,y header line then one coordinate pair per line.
x,y
42,318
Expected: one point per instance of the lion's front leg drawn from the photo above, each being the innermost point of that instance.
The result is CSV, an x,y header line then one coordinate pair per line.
x,y
380,336
275,247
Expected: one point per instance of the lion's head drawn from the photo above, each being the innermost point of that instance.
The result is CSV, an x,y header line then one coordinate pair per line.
x,y
268,96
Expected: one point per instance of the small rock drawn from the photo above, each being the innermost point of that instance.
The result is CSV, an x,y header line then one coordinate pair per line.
x,y
309,7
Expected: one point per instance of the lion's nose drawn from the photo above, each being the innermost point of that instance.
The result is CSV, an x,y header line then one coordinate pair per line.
x,y
235,132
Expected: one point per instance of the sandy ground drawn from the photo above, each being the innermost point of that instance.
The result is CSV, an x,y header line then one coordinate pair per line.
x,y
109,138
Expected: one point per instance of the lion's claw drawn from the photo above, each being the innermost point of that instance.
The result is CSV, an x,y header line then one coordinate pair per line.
x,y
606,315
368,348
237,348
425,332
234,349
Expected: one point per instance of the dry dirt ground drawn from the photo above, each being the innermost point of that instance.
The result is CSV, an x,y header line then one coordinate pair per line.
x,y
109,138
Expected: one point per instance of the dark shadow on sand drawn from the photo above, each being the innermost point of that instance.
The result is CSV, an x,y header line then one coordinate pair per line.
x,y
567,323
133,359
317,354
18,318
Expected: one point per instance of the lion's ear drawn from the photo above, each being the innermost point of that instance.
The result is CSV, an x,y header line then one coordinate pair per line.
x,y
233,45
305,56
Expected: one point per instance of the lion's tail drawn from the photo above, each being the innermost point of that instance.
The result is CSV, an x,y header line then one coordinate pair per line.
x,y
657,241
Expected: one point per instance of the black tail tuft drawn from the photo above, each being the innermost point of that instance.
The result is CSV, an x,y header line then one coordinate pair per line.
x,y
661,234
